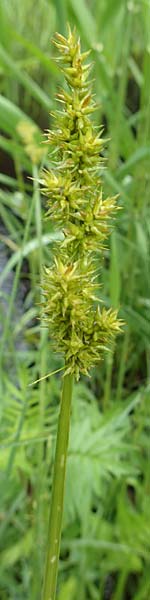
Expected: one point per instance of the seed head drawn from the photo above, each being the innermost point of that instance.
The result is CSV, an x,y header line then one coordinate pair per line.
x,y
72,185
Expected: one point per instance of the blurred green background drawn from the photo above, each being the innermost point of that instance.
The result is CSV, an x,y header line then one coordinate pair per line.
x,y
105,551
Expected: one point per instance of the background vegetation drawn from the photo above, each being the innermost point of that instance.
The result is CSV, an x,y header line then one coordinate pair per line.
x,y
105,552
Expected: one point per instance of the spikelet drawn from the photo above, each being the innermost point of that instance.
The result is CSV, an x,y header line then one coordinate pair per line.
x,y
77,325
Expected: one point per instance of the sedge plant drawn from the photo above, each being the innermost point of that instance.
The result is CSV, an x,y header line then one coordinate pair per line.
x,y
80,329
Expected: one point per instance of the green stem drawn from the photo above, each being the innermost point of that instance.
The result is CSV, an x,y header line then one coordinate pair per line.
x,y
56,511
41,479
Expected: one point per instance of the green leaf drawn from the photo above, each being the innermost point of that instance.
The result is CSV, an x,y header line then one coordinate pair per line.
x,y
11,115
115,281
68,589
31,86
31,246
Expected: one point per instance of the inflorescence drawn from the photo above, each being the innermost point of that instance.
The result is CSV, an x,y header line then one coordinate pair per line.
x,y
80,329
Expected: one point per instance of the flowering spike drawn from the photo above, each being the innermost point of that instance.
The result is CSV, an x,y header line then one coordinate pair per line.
x,y
77,325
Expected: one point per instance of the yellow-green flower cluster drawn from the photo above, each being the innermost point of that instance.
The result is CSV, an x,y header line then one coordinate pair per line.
x,y
80,330
30,137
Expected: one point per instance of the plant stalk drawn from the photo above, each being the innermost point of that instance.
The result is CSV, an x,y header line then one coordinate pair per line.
x,y
56,511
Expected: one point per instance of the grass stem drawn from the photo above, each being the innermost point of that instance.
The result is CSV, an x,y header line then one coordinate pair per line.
x,y
56,511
